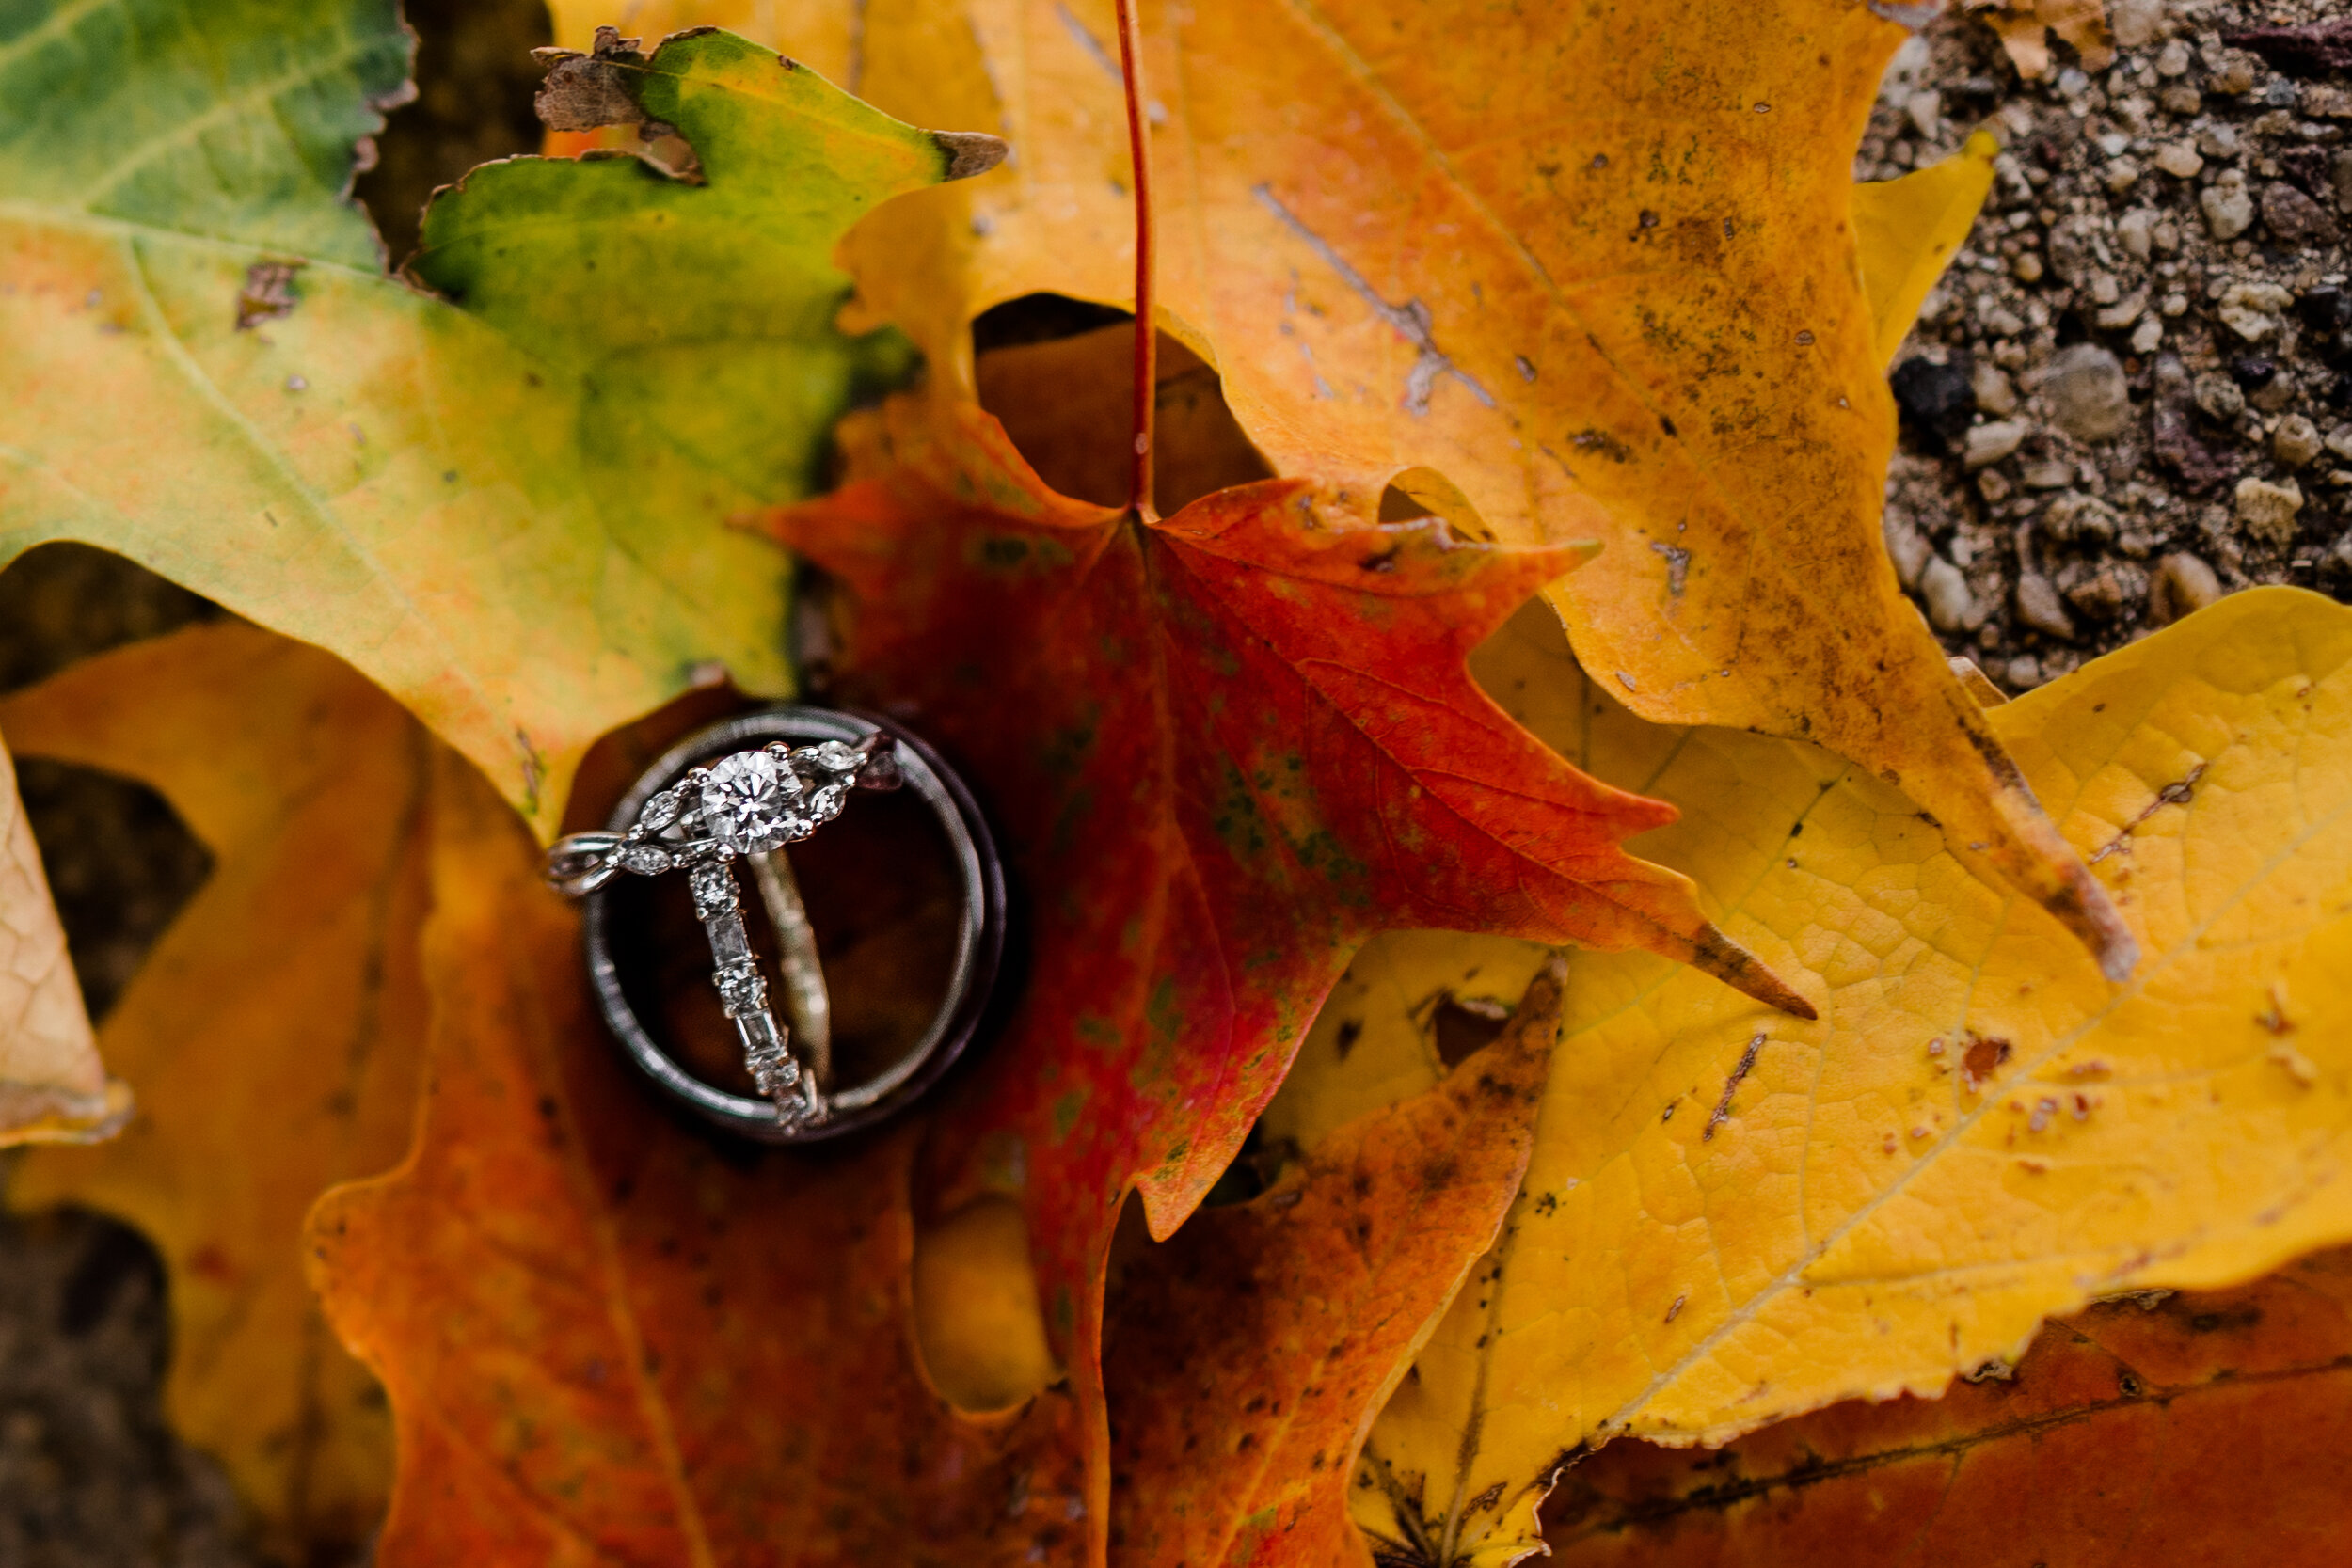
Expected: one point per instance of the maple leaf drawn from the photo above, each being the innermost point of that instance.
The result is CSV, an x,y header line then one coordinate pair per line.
x,y
607,1337
1978,1133
1221,749
53,1086
1248,1352
275,1036
1596,268
2205,1420
504,505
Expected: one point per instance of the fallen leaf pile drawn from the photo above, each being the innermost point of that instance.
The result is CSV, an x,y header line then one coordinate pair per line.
x,y
1538,980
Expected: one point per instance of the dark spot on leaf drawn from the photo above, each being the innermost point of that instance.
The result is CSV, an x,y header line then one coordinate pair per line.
x,y
268,293
1463,1026
1983,1060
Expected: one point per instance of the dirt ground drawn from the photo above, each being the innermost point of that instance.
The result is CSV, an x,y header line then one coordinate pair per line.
x,y
2133,393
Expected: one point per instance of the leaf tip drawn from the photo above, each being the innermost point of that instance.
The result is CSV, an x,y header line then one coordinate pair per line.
x,y
1743,972
970,152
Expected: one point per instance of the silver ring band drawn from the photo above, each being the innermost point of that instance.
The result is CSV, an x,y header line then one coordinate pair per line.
x,y
802,1104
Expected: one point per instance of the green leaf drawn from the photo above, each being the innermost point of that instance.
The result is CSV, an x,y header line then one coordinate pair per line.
x,y
506,502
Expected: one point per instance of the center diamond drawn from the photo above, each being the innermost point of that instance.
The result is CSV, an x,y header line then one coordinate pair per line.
x,y
750,805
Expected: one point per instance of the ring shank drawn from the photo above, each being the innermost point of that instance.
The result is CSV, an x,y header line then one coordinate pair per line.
x,y
972,975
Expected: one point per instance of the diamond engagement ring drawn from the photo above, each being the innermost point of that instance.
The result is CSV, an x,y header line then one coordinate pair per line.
x,y
743,789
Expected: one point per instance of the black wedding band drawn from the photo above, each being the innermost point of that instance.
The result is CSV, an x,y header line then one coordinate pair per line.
x,y
979,944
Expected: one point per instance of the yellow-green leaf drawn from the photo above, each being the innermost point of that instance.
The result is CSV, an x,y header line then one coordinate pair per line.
x,y
507,505
1732,1216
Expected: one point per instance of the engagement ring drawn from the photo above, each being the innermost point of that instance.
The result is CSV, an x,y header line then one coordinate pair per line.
x,y
744,789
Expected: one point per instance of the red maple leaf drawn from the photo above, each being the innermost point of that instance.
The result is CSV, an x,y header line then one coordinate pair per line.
x,y
1221,752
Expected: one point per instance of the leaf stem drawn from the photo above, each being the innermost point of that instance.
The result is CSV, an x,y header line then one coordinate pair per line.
x,y
1147,328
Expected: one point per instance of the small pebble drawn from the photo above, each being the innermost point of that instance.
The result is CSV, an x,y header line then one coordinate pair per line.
x,y
2294,219
1926,113
2252,309
2228,205
1906,548
2184,585
1995,394
2340,441
2173,58
2047,474
2075,518
2268,510
2102,594
2025,266
1935,399
2295,442
2180,159
2089,397
2218,141
2024,672
2137,229
2147,335
2234,78
2181,100
1950,606
1989,443
2122,312
2221,398
2135,22
2039,607
1993,487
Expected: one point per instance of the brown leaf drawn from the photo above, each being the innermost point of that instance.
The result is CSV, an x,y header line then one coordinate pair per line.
x,y
1248,1353
2207,1427
612,1339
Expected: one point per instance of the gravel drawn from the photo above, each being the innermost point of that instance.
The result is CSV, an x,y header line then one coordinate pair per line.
x,y
2151,319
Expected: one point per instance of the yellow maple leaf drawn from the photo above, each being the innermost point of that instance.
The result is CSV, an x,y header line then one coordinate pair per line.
x,y
1638,318
275,1036
1731,1216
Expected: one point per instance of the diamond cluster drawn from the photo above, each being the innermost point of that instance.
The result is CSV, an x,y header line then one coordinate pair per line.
x,y
744,804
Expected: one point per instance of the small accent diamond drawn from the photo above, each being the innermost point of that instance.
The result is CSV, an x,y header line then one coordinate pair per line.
x,y
837,756
660,811
713,886
740,989
644,859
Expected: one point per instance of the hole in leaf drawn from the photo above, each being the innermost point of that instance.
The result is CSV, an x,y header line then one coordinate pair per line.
x,y
978,1319
1066,403
1425,492
475,79
1464,1025
1041,318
